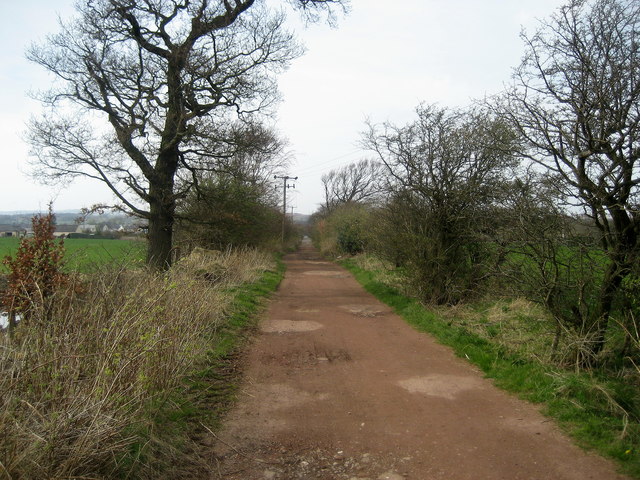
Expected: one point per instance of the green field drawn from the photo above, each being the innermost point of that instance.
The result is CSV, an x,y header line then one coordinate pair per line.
x,y
84,255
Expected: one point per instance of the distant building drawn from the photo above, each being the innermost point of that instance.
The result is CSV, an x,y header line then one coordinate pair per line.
x,y
12,231
86,228
63,231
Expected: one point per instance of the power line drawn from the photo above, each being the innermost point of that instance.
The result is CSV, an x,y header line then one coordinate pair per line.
x,y
326,162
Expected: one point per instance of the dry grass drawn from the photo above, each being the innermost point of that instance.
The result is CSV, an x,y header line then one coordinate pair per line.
x,y
516,325
385,272
328,245
75,389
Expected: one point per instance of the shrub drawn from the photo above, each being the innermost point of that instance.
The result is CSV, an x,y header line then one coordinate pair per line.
x,y
35,273
346,230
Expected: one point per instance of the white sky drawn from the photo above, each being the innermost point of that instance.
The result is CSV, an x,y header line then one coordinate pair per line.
x,y
381,61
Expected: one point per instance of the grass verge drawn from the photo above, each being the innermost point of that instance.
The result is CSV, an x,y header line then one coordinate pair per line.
x,y
119,375
600,412
173,443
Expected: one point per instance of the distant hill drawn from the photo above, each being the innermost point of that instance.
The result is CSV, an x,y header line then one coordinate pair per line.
x,y
22,218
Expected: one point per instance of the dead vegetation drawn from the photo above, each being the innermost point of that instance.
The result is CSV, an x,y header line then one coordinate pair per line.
x,y
83,383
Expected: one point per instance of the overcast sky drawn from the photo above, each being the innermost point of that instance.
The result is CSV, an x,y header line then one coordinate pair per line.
x,y
382,60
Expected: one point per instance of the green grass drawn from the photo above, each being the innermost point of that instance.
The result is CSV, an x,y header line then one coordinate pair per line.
x,y
600,412
211,389
85,255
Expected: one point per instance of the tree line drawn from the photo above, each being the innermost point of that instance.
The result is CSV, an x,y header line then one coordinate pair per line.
x,y
533,191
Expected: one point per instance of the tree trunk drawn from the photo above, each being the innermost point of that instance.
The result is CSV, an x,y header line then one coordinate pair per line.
x,y
161,213
619,267
610,287
162,203
160,239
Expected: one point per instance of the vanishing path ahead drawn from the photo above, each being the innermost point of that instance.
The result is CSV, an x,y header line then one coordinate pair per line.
x,y
339,387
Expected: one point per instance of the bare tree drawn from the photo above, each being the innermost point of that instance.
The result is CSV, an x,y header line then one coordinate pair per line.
x,y
575,102
146,91
446,169
356,183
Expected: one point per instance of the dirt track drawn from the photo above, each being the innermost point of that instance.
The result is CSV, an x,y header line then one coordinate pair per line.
x,y
338,387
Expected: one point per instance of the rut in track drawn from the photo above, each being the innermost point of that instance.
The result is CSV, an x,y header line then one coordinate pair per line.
x,y
339,387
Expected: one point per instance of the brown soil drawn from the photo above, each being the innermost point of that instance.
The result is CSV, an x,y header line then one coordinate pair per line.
x,y
339,387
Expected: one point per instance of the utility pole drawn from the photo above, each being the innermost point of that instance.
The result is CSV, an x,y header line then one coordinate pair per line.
x,y
285,186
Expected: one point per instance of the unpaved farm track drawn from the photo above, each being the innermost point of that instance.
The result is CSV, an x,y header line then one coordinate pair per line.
x,y
339,387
